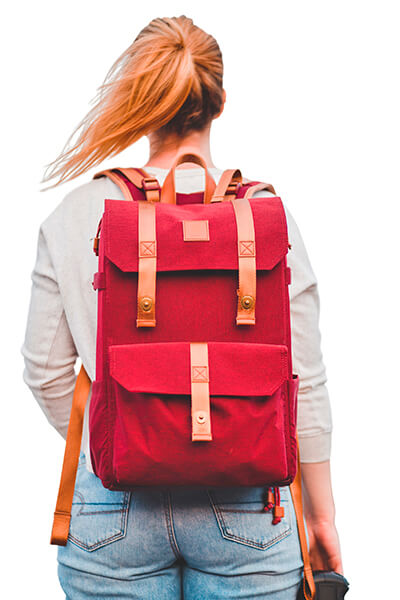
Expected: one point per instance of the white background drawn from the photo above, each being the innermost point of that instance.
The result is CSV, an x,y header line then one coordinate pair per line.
x,y
313,107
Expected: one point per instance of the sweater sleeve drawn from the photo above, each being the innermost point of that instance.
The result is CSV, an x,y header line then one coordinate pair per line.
x,y
314,411
48,349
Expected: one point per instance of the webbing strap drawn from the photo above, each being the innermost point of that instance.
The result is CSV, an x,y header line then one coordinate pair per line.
x,y
295,490
62,514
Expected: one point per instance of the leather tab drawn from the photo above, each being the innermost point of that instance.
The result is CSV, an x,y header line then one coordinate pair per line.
x,y
201,416
59,534
279,511
196,231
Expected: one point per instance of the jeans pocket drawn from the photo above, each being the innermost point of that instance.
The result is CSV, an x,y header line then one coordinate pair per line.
x,y
99,516
241,517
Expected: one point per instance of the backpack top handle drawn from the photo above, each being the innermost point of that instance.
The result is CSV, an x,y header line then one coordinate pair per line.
x,y
168,195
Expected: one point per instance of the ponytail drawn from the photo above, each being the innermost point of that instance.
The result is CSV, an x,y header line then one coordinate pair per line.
x,y
169,80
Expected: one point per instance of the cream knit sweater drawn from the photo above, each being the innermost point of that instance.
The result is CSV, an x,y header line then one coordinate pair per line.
x,y
62,315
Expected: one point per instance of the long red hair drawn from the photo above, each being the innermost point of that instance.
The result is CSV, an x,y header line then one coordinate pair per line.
x,y
169,80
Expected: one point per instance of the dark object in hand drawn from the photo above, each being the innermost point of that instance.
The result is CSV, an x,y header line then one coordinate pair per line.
x,y
329,585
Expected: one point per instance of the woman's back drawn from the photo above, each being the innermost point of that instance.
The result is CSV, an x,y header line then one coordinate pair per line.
x,y
163,543
62,319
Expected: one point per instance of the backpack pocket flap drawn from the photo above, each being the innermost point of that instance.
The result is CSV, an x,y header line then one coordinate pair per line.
x,y
234,369
212,244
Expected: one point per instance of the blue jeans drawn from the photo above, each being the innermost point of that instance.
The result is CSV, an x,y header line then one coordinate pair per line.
x,y
174,543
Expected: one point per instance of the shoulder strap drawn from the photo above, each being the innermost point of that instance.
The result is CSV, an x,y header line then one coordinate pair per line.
x,y
135,184
232,185
62,514
295,490
252,189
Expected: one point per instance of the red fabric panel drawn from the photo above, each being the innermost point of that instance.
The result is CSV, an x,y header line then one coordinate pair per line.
x,y
152,441
195,306
234,369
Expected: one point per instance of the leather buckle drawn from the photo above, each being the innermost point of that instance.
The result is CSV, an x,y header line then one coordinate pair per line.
x,y
150,183
233,188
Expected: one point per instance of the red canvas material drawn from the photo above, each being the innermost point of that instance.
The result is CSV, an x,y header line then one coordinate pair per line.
x,y
140,410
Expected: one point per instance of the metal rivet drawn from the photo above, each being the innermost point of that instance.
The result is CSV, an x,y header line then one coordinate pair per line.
x,y
146,304
201,418
247,302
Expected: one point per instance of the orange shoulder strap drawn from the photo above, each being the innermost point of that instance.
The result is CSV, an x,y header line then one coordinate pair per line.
x,y
295,490
62,514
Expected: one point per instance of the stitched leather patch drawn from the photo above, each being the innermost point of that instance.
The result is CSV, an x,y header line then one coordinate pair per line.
x,y
247,248
196,231
200,375
147,249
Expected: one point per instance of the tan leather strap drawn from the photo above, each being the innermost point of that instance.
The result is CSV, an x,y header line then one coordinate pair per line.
x,y
148,184
227,186
147,269
257,188
201,417
117,180
246,310
295,490
168,189
62,514
145,182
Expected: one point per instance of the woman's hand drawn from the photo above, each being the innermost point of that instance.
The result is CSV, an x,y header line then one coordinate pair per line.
x,y
319,511
324,546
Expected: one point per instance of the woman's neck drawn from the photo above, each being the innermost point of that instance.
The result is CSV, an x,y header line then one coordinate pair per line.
x,y
163,152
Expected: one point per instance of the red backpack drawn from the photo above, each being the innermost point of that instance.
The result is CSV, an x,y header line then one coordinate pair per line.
x,y
194,381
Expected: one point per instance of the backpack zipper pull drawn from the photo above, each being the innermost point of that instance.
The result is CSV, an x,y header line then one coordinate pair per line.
x,y
269,500
279,511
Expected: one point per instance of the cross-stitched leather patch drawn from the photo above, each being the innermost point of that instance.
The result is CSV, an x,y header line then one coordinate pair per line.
x,y
200,375
147,249
247,248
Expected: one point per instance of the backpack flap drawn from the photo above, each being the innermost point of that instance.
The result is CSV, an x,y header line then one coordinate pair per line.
x,y
150,239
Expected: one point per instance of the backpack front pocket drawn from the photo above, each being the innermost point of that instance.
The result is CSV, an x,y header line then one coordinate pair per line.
x,y
152,393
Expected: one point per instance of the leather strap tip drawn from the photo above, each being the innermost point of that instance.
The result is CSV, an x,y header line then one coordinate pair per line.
x,y
201,437
59,533
240,321
145,323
